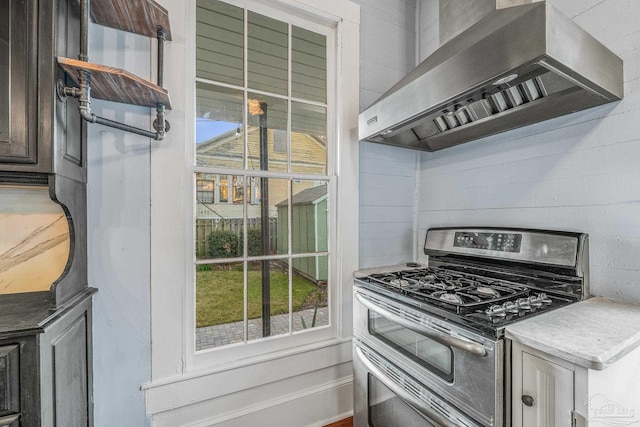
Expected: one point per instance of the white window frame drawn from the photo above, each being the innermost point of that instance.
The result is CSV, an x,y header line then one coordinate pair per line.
x,y
174,359
258,348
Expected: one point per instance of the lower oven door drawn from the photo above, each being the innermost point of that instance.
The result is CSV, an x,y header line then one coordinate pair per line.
x,y
386,396
464,368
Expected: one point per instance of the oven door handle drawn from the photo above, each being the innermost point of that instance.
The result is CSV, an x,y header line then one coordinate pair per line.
x,y
403,394
459,343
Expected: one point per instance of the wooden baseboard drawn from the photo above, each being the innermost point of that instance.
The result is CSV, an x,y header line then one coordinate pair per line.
x,y
347,422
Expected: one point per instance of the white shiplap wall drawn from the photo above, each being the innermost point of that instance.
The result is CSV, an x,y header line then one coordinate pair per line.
x,y
118,206
579,172
387,174
428,37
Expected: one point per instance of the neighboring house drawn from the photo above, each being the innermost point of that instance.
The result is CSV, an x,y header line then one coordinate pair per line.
x,y
221,196
309,230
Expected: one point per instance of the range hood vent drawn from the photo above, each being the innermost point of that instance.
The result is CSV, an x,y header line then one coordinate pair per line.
x,y
515,67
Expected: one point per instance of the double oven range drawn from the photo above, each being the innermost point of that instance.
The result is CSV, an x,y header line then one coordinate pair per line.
x,y
429,346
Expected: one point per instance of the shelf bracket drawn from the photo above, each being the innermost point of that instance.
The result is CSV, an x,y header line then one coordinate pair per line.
x,y
83,92
160,124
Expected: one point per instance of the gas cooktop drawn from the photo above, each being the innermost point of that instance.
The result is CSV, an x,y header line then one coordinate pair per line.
x,y
486,279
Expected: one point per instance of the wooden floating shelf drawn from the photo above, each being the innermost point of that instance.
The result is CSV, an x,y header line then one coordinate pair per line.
x,y
143,17
114,84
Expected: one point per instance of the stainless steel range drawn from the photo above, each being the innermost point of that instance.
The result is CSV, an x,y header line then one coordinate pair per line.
x,y
429,344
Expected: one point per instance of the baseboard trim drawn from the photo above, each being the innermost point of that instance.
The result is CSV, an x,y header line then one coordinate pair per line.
x,y
302,394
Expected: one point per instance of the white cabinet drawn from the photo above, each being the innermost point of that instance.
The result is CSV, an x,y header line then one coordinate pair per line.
x,y
551,392
547,392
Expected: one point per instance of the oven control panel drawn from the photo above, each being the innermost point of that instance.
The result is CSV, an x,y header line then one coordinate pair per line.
x,y
500,242
548,247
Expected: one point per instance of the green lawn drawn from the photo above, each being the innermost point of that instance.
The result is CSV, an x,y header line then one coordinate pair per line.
x,y
219,295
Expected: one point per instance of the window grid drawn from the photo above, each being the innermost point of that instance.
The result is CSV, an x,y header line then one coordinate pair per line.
x,y
258,174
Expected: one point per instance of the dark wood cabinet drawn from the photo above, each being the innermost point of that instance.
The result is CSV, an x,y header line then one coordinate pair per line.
x,y
9,384
18,72
39,132
45,337
45,362
42,137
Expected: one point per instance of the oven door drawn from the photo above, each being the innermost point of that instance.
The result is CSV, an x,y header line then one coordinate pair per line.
x,y
464,368
386,396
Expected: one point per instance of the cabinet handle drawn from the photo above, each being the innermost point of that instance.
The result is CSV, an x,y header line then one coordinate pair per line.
x,y
527,400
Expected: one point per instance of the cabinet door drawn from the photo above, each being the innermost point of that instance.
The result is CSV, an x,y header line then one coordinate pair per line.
x,y
547,393
18,81
9,385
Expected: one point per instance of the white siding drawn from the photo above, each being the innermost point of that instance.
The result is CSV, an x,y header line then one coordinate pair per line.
x,y
577,172
387,174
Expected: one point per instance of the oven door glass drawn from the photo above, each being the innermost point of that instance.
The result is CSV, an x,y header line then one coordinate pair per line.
x,y
436,357
388,410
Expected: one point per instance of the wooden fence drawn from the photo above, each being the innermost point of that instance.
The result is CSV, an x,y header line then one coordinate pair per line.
x,y
205,226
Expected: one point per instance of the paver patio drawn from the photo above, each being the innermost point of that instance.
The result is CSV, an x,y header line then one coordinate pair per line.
x,y
214,336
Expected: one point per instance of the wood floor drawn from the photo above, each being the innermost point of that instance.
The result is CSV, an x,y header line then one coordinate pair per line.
x,y
347,422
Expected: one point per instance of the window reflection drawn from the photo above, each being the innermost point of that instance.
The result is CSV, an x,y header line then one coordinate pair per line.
x,y
268,54
205,185
224,189
267,132
308,138
215,189
219,128
219,42
254,128
308,65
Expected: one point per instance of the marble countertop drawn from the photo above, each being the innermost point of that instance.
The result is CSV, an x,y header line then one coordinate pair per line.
x,y
594,333
385,269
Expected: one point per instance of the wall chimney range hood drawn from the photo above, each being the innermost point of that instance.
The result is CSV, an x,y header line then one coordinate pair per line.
x,y
517,66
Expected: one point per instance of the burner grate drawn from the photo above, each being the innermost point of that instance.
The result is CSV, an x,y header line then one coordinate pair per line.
x,y
456,291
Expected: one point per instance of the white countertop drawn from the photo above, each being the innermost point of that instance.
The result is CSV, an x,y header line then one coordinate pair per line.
x,y
594,333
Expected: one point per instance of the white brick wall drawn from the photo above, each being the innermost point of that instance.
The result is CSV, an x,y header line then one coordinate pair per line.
x,y
579,172
387,174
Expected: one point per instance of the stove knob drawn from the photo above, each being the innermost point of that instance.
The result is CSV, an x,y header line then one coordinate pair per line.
x,y
524,303
511,307
496,311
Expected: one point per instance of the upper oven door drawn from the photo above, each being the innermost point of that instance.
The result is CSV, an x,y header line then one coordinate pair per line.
x,y
463,367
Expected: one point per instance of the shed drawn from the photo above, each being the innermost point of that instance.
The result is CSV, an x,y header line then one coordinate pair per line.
x,y
309,234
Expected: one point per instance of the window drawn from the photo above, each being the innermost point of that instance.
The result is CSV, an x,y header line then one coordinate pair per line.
x,y
214,189
186,382
206,185
262,165
224,189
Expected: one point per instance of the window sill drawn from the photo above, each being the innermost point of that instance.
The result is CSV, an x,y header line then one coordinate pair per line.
x,y
196,386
